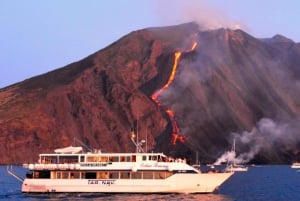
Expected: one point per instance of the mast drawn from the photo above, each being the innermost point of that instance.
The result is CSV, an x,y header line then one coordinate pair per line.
x,y
197,158
233,146
146,140
233,149
137,136
135,140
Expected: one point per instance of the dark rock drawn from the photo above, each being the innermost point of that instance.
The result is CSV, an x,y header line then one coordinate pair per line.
x,y
231,85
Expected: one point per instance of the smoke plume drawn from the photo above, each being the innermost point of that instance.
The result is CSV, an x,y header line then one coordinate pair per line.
x,y
265,135
203,13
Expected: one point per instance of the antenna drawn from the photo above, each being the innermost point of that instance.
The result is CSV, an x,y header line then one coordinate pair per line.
x,y
137,134
197,158
80,142
138,144
146,140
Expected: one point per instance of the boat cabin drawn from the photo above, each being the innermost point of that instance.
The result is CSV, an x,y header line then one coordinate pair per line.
x,y
101,157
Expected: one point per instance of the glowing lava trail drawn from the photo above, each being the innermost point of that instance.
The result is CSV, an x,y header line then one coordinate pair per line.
x,y
175,132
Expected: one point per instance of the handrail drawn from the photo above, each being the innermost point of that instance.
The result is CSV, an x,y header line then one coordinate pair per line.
x,y
10,172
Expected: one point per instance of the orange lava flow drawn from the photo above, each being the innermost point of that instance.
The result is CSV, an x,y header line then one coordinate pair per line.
x,y
176,137
193,46
175,128
170,80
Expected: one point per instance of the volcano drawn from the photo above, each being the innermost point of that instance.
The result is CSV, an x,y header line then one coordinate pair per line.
x,y
224,88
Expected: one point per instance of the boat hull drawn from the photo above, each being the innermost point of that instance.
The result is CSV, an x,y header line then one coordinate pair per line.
x,y
295,165
178,183
237,169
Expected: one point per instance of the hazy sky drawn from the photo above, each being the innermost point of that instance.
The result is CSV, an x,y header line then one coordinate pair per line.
x,y
40,36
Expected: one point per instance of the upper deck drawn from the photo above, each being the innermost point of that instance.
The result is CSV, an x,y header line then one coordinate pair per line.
x,y
55,158
108,161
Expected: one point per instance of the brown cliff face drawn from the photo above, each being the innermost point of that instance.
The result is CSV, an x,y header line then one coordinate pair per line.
x,y
226,87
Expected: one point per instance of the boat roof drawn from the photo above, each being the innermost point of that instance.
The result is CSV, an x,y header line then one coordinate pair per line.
x,y
79,151
68,150
105,154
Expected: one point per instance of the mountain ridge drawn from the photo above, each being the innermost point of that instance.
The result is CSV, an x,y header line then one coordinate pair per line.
x,y
222,89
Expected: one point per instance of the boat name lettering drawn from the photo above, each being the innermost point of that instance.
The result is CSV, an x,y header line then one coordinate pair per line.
x,y
102,181
146,165
152,165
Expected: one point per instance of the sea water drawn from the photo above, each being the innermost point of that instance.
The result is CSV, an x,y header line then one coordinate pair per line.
x,y
265,183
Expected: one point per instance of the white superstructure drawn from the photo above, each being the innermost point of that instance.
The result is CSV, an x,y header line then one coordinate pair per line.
x,y
295,165
71,170
236,168
231,164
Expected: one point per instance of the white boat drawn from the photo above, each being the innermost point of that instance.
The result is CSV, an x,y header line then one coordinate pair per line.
x,y
67,170
232,166
295,165
237,168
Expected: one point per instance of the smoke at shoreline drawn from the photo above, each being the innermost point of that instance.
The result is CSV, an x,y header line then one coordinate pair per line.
x,y
266,133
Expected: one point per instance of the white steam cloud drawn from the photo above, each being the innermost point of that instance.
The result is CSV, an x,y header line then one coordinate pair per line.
x,y
266,133
199,11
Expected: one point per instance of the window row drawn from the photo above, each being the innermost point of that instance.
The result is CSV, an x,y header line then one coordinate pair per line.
x,y
100,175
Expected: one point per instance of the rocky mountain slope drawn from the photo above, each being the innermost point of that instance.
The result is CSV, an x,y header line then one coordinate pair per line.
x,y
232,85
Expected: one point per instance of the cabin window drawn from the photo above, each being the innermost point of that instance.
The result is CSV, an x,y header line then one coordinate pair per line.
x,y
44,159
91,159
58,175
124,175
147,175
65,175
122,158
53,175
97,159
43,175
102,175
81,158
152,158
114,175
144,158
103,159
90,175
48,159
133,158
67,159
159,175
115,159
128,159
74,175
36,175
136,175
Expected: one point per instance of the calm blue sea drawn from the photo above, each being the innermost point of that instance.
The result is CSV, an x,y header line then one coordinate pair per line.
x,y
267,183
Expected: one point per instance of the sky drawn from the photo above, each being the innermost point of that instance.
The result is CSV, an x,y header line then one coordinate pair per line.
x,y
41,36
